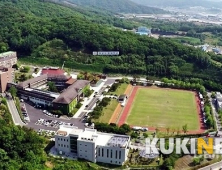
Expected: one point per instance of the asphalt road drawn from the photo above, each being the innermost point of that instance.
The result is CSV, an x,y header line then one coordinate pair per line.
x,y
215,114
14,112
215,166
95,99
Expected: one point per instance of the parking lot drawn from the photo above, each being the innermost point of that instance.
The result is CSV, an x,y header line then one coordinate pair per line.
x,y
36,115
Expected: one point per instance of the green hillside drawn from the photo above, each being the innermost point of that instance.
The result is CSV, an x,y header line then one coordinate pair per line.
x,y
123,6
50,34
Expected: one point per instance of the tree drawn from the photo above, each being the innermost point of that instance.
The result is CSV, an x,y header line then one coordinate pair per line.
x,y
157,130
168,130
13,91
145,135
196,161
52,86
213,95
25,69
184,128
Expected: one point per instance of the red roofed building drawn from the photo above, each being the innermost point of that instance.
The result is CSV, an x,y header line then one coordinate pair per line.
x,y
53,71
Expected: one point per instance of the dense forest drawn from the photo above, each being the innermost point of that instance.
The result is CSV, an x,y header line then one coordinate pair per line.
x,y
22,148
123,6
48,33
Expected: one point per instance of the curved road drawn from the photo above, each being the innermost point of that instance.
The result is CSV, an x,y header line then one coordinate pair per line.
x,y
14,112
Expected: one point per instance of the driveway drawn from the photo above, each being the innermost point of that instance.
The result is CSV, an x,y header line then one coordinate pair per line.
x,y
14,112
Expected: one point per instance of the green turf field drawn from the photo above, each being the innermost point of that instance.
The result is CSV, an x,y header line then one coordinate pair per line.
x,y
156,107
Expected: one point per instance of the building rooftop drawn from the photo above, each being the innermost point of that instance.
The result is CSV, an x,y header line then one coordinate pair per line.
x,y
70,81
122,97
68,130
91,135
32,80
48,93
53,71
71,92
7,54
104,139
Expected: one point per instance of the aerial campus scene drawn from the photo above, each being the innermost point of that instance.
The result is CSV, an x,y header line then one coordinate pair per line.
x,y
86,84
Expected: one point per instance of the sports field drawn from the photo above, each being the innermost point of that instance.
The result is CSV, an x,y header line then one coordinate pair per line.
x,y
157,107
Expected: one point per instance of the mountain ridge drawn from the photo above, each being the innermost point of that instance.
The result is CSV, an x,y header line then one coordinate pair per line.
x,y
179,3
123,6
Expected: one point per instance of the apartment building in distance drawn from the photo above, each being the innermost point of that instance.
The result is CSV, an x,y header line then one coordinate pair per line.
x,y
93,146
8,59
6,76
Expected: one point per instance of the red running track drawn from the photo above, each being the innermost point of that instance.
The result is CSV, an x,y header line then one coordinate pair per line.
x,y
130,102
127,107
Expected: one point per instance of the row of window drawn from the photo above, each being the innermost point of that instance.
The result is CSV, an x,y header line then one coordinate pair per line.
x,y
111,153
63,145
63,139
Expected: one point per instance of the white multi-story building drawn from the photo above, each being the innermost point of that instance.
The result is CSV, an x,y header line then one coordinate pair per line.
x,y
92,145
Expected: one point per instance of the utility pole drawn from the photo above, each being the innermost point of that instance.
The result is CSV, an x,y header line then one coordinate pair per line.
x,y
63,65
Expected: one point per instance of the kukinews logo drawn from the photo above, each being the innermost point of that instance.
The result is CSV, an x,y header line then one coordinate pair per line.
x,y
186,145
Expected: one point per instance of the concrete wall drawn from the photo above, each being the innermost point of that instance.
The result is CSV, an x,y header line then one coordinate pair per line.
x,y
86,150
6,77
62,143
111,155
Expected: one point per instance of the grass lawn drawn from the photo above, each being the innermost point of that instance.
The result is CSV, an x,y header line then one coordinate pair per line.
x,y
120,90
108,111
156,107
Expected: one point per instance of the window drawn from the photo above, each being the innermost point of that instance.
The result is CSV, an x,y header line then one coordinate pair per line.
x,y
99,151
119,154
64,140
111,154
102,152
116,154
67,146
59,144
107,153
67,140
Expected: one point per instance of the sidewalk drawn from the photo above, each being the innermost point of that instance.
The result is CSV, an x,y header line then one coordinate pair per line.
x,y
87,101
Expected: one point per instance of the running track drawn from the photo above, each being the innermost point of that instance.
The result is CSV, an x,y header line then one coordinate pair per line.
x,y
130,102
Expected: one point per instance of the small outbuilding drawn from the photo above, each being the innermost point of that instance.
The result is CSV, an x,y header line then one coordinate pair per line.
x,y
122,98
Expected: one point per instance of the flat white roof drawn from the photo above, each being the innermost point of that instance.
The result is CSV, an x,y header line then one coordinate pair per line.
x,y
68,130
99,138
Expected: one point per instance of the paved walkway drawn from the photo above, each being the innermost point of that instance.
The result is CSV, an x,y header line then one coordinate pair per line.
x,y
87,101
14,112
